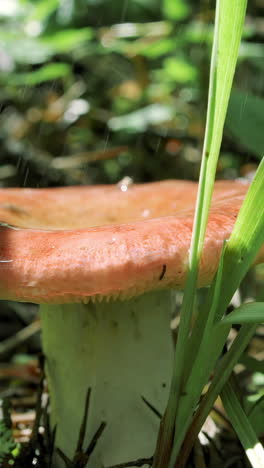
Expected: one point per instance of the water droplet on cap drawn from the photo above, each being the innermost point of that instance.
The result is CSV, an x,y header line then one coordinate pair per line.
x,y
125,183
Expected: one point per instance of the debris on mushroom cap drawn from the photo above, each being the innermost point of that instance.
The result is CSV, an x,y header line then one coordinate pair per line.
x,y
123,244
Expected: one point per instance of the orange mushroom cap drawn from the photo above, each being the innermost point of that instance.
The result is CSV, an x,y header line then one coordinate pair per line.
x,y
78,243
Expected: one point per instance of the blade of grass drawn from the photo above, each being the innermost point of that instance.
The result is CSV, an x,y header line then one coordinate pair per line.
x,y
209,337
229,23
246,240
242,426
209,314
239,253
183,446
251,312
201,366
228,30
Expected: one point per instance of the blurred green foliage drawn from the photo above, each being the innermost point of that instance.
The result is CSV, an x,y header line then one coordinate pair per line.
x,y
245,120
8,447
120,88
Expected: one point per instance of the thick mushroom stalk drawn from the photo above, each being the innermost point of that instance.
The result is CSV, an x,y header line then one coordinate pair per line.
x,y
122,351
109,256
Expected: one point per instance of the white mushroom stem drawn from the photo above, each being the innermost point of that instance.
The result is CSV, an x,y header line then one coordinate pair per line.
x,y
122,350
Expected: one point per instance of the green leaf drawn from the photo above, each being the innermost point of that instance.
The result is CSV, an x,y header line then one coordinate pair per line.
x,y
176,9
252,312
49,72
245,120
34,50
7,444
42,9
67,40
178,70
156,49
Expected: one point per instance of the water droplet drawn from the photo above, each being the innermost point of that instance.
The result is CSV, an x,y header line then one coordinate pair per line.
x,y
31,284
125,183
145,213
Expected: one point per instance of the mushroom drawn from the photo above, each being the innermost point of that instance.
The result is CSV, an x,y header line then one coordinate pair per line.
x,y
103,262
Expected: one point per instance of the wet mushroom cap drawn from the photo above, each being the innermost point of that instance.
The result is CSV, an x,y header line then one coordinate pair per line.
x,y
80,207
78,243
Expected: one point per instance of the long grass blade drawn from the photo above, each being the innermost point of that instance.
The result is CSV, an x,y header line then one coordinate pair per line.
x,y
242,426
228,30
211,339
183,447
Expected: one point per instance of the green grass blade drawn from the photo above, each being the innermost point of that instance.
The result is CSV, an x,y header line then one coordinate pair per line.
x,y
239,253
212,346
230,17
221,376
209,336
242,426
205,320
224,56
229,22
246,240
228,30
252,312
